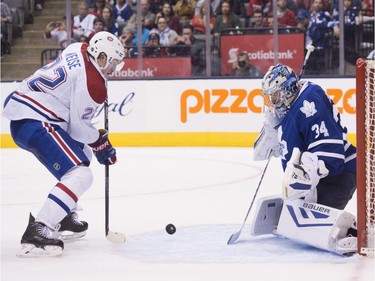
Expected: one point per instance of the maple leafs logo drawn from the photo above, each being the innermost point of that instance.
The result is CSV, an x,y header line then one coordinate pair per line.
x,y
308,108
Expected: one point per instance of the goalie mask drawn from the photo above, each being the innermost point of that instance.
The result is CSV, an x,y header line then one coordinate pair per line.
x,y
107,43
280,86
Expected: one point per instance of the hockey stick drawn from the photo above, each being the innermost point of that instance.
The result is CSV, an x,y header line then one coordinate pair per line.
x,y
233,238
310,49
115,237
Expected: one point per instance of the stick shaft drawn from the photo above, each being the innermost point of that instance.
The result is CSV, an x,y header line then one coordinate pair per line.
x,y
304,62
106,173
236,235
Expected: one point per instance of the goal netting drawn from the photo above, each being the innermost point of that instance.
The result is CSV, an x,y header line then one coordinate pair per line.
x,y
365,76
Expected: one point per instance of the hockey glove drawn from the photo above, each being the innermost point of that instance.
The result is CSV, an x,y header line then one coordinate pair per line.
x,y
266,143
103,149
302,175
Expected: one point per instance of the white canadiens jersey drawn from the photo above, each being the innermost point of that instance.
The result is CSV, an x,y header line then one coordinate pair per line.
x,y
66,92
85,26
61,36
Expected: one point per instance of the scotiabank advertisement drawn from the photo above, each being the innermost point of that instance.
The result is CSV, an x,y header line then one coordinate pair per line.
x,y
260,48
201,112
155,67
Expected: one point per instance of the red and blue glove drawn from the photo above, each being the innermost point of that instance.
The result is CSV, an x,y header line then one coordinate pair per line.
x,y
103,149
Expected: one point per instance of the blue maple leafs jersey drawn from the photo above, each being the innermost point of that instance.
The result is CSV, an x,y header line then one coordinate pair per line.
x,y
313,124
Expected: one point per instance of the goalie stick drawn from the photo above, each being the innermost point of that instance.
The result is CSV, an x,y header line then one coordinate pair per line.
x,y
233,238
115,237
310,49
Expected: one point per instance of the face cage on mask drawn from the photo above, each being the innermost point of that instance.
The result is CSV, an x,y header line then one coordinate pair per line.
x,y
283,103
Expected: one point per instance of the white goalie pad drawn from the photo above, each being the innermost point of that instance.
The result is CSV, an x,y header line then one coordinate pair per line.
x,y
318,226
267,215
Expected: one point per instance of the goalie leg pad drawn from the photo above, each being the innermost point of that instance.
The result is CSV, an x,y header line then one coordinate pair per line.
x,y
266,215
318,226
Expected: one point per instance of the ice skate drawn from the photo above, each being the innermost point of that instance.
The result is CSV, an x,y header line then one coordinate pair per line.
x,y
71,228
38,241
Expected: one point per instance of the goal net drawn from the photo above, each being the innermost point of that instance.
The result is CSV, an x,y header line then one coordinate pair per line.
x,y
365,106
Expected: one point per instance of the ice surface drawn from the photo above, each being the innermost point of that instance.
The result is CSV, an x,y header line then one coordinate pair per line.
x,y
204,192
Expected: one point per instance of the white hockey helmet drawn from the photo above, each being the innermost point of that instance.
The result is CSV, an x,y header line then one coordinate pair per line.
x,y
105,42
281,86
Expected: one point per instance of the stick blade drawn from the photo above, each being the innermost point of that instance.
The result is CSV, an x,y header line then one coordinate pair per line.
x,y
233,238
116,237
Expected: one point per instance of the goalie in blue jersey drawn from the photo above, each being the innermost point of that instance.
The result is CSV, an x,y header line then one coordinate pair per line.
x,y
303,127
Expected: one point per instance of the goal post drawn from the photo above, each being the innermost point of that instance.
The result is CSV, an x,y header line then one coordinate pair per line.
x,y
365,134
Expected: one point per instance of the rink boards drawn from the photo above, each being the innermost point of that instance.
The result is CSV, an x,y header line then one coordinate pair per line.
x,y
201,112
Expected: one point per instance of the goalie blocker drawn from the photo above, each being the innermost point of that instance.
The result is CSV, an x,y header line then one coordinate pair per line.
x,y
313,224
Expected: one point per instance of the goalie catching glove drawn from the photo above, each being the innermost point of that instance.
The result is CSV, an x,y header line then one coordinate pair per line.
x,y
302,175
103,149
266,143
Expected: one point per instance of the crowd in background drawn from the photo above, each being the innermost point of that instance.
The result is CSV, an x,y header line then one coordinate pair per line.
x,y
167,25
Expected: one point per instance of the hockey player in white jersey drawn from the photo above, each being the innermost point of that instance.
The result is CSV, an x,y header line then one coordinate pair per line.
x,y
50,116
303,127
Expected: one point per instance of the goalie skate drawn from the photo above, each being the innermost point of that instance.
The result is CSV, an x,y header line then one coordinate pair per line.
x,y
346,246
38,240
71,228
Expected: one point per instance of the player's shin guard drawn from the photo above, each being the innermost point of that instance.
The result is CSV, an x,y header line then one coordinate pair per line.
x,y
64,195
319,226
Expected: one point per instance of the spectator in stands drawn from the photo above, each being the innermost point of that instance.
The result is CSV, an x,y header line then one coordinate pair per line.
x,y
290,5
98,8
285,16
167,13
144,34
227,19
368,7
237,8
243,68
258,19
84,22
303,22
126,39
306,4
256,5
83,39
146,14
214,6
6,17
184,9
189,45
320,27
156,6
56,31
110,23
350,28
153,47
183,43
199,21
166,34
98,26
122,11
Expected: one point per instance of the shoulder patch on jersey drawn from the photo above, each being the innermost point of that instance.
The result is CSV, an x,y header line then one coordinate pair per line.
x,y
308,108
96,84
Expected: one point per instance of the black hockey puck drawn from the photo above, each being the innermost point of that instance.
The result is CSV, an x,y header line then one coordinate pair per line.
x,y
170,228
